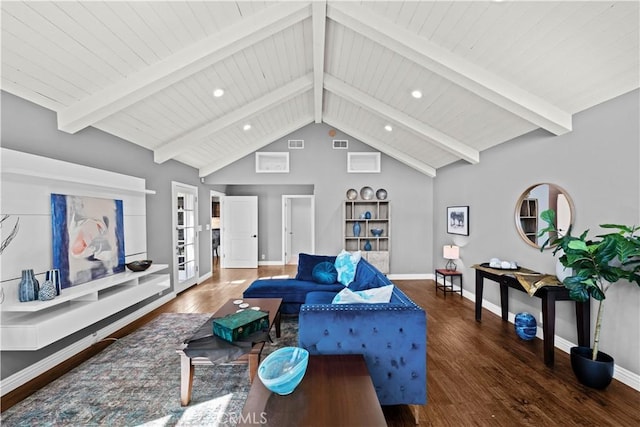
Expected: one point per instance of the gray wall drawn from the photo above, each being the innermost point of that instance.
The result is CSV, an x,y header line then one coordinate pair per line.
x,y
319,165
597,164
32,129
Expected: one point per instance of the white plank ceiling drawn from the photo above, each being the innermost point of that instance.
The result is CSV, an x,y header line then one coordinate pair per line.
x,y
489,71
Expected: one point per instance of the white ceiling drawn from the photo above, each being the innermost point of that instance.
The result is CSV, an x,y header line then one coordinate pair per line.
x,y
489,71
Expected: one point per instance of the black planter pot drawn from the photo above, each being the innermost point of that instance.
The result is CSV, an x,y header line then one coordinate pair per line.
x,y
592,373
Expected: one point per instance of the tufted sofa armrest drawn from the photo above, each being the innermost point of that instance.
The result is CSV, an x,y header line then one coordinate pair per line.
x,y
392,337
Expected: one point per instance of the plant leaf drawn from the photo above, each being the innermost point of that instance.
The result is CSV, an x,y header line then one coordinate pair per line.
x,y
578,245
549,216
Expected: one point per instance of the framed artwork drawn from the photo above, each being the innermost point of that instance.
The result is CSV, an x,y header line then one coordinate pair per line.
x,y
88,238
458,220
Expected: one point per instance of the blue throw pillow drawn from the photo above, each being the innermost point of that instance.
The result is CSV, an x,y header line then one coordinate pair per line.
x,y
325,273
306,263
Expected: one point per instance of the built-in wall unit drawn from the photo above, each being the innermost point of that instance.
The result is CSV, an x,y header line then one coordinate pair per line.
x,y
65,220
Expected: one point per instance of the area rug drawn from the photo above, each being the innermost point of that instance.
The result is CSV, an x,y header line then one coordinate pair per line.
x,y
136,382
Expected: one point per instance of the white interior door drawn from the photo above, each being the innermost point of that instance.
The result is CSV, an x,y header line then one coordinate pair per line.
x,y
239,231
298,227
185,236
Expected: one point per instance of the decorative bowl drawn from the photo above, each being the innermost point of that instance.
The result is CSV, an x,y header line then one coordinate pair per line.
x,y
366,193
377,231
525,326
282,370
140,265
352,194
381,194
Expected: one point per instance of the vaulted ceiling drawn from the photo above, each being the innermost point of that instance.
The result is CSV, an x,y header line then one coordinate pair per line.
x,y
488,71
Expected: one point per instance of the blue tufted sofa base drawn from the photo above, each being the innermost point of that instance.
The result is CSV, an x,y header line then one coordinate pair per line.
x,y
292,291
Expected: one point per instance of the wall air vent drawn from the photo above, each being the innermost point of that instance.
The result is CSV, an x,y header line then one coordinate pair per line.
x,y
340,144
296,144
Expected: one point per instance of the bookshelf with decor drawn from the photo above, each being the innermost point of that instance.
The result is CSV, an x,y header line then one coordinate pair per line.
x,y
369,215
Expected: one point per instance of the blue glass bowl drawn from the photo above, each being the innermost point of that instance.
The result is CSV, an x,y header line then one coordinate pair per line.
x,y
282,370
377,231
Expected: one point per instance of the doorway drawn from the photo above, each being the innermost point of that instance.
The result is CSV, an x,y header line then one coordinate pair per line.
x,y
185,235
298,226
216,229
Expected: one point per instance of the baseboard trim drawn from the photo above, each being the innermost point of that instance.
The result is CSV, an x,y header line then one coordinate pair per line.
x,y
27,374
205,277
621,374
411,276
260,263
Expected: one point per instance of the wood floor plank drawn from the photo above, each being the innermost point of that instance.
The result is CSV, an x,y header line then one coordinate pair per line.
x,y
478,373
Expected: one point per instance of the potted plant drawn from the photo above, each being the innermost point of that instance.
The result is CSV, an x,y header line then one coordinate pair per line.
x,y
595,265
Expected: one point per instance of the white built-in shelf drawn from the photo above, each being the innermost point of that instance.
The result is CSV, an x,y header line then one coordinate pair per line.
x,y
61,178
36,324
87,291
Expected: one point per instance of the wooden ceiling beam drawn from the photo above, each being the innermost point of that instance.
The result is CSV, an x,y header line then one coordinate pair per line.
x,y
197,136
239,153
180,65
383,147
370,103
319,22
452,67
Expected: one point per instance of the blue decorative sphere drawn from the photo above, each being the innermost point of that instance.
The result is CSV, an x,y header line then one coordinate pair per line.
x,y
525,326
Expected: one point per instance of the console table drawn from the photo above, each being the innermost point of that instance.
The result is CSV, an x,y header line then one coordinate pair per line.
x,y
548,294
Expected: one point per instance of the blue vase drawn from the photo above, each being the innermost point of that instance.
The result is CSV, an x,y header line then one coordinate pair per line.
x,y
367,215
367,246
356,229
525,326
47,291
28,287
54,277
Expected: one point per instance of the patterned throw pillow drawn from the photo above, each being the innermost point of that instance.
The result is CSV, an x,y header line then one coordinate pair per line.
x,y
370,296
325,273
346,263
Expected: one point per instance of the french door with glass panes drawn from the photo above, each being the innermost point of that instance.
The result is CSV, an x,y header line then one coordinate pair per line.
x,y
185,236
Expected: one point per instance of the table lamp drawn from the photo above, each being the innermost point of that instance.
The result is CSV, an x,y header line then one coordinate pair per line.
x,y
451,252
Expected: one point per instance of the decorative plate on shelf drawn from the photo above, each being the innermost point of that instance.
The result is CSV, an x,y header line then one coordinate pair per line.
x,y
352,194
366,193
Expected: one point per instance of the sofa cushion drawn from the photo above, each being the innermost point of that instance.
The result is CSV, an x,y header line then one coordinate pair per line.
x,y
325,273
290,290
306,263
379,295
346,263
320,297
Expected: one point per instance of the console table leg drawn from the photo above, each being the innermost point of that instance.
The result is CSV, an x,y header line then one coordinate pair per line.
x,y
583,322
548,327
416,413
186,379
479,289
504,300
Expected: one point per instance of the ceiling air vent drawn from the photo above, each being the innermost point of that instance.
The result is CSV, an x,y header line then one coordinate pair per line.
x,y
296,144
340,144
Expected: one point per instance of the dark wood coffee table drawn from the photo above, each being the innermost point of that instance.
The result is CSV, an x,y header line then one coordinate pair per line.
x,y
252,358
336,390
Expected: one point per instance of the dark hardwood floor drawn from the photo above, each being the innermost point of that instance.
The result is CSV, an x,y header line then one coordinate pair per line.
x,y
477,373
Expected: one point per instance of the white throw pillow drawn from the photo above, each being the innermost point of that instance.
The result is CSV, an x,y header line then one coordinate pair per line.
x,y
368,296
346,263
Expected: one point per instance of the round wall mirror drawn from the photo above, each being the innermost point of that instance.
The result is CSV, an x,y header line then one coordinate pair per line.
x,y
532,202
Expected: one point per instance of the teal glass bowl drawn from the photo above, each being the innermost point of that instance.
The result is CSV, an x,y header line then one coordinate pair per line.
x,y
282,370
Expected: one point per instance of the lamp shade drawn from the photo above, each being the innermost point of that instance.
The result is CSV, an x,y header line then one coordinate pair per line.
x,y
450,252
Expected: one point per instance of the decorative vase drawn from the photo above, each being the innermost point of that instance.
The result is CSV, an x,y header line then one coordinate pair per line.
x,y
28,287
54,277
47,291
356,229
592,373
525,326
367,215
367,246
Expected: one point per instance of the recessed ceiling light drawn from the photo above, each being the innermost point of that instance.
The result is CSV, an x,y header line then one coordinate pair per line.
x,y
218,92
416,94
246,127
388,128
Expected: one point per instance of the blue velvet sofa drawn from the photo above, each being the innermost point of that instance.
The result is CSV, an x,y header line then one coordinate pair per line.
x,y
293,291
392,336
